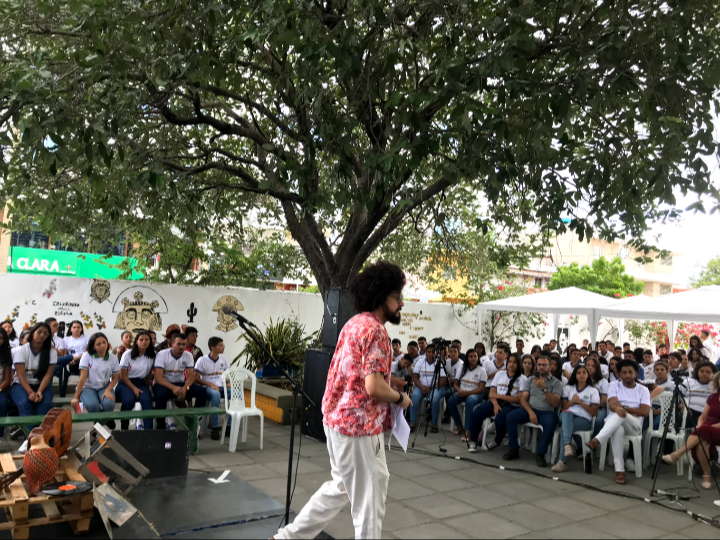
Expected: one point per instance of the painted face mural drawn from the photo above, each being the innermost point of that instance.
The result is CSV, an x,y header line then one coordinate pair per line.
x,y
140,314
100,290
226,323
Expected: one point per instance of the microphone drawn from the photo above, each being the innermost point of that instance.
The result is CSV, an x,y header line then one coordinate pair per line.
x,y
227,310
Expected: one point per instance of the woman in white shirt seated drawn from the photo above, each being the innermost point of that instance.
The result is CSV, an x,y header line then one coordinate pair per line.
x,y
629,404
580,404
5,375
469,388
698,390
599,382
33,364
481,352
135,374
660,383
99,373
503,399
12,336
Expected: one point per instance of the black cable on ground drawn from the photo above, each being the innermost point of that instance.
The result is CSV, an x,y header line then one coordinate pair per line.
x,y
697,517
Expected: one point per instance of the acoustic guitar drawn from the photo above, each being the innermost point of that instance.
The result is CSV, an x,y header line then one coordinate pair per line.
x,y
55,431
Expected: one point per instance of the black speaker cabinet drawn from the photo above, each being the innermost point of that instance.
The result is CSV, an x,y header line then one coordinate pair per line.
x,y
164,452
317,364
339,309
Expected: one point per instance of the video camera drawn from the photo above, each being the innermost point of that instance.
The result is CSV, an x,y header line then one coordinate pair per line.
x,y
441,343
678,376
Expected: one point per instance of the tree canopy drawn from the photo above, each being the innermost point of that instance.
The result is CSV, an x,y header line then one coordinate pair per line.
x,y
343,120
602,277
709,275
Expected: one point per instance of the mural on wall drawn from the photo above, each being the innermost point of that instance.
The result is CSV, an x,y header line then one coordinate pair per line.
x,y
563,339
100,290
50,290
142,313
227,323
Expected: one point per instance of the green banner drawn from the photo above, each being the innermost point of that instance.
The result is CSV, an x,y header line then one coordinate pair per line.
x,y
65,263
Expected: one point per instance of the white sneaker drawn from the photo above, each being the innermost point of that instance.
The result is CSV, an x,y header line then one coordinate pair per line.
x,y
23,447
139,426
629,465
472,447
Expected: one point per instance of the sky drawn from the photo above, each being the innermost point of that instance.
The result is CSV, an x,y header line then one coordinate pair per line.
x,y
693,238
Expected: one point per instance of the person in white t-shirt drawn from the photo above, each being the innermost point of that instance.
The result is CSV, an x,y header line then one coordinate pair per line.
x,y
401,368
99,373
697,389
481,352
12,336
504,398
209,373
423,372
397,349
594,367
175,377
492,366
469,387
61,368
135,375
708,346
76,345
33,364
569,366
629,403
648,366
581,402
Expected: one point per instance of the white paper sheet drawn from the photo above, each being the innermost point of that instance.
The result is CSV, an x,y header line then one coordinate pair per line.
x,y
400,427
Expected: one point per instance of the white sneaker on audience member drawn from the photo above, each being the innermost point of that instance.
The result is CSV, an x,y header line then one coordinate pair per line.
x,y
558,467
629,465
568,451
139,426
490,446
23,447
472,447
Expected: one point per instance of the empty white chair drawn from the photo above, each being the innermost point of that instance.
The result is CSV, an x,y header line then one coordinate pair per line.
x,y
236,408
677,437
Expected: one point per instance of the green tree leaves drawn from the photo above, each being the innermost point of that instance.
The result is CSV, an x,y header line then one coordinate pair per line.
x,y
709,275
602,277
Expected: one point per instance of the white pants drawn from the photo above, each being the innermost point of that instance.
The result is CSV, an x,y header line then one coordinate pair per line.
x,y
616,429
360,476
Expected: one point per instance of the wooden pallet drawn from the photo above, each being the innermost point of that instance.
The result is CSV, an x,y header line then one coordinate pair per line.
x,y
75,509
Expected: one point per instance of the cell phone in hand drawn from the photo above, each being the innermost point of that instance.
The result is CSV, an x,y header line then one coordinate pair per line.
x,y
537,374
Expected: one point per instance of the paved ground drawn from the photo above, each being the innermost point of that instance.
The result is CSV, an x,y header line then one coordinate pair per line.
x,y
436,497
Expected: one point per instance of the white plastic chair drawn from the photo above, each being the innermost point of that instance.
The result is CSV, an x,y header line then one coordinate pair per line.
x,y
532,440
236,408
637,446
677,437
585,437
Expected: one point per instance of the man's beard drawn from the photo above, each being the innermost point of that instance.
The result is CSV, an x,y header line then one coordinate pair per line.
x,y
390,316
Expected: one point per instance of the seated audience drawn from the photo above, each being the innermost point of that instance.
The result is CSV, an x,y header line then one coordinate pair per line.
x,y
629,403
61,368
191,335
135,375
24,338
99,373
397,349
503,399
414,351
12,336
535,351
705,437
661,383
648,365
636,355
574,361
126,339
600,383
613,375
469,387
519,347
538,400
708,347
399,368
482,354
6,361
528,366
172,366
209,374
169,332
556,368
33,364
661,350
423,373
581,401
694,356
584,353
497,364
75,344
697,390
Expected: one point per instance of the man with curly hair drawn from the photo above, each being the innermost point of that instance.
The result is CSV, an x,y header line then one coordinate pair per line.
x,y
356,410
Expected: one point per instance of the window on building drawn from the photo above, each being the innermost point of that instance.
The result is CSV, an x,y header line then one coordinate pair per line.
x,y
665,289
538,283
597,251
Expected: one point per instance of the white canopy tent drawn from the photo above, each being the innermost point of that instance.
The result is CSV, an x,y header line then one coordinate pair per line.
x,y
698,305
568,301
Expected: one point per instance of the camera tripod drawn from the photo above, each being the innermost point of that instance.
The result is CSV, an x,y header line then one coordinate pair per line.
x,y
677,399
439,366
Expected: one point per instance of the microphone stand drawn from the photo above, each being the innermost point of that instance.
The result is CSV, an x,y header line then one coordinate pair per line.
x,y
296,390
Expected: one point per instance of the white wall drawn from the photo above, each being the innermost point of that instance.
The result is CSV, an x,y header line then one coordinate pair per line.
x,y
101,305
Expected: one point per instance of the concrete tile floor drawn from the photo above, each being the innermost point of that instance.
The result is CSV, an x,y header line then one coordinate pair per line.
x,y
437,497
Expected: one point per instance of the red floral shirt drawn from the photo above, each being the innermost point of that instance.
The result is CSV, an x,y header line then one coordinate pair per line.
x,y
363,348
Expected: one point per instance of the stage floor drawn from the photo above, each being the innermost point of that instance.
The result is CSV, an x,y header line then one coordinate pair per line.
x,y
187,507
